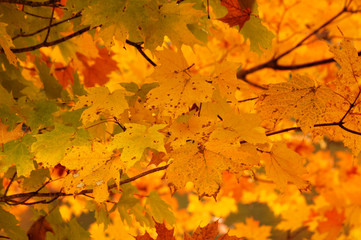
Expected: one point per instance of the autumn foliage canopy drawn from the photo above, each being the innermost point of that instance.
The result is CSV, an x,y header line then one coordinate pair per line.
x,y
180,119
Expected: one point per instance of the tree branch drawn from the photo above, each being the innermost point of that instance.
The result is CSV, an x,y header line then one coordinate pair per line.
x,y
50,3
273,63
140,50
10,200
48,44
45,28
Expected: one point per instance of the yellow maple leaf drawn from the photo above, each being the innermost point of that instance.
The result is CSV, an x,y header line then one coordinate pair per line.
x,y
224,77
347,57
203,167
300,98
98,167
284,165
101,101
251,230
135,140
7,136
196,129
6,43
179,89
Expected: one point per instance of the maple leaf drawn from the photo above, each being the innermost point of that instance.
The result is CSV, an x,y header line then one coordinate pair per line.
x,y
210,231
333,225
299,98
171,19
224,77
135,140
7,136
18,153
101,101
50,147
251,230
347,84
239,12
96,73
10,225
98,167
163,233
258,34
204,167
283,166
6,43
178,89
39,228
160,210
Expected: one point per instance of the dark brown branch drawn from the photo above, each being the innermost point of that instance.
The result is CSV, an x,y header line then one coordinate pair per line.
x,y
50,22
50,3
8,187
311,34
45,28
48,44
273,63
140,50
10,200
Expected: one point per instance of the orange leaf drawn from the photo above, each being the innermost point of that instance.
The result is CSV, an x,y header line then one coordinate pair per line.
x,y
96,73
7,136
333,224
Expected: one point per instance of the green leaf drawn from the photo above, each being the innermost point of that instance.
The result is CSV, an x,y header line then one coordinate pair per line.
x,y
6,43
78,88
102,215
7,117
258,34
159,209
17,152
50,147
129,206
36,179
258,211
6,98
10,226
42,115
130,87
52,87
77,232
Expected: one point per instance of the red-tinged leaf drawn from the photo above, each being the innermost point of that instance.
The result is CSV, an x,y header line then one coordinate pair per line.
x,y
64,74
227,237
208,232
239,12
163,232
39,228
333,224
145,236
96,73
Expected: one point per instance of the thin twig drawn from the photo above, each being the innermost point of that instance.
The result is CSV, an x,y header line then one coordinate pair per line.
x,y
34,15
50,22
272,63
140,50
45,28
8,186
48,44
